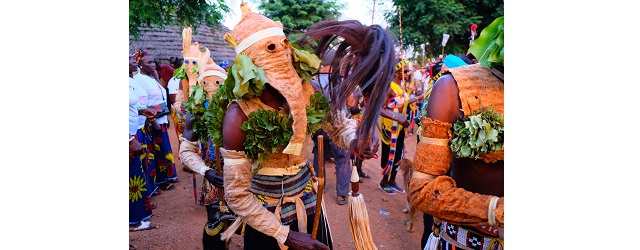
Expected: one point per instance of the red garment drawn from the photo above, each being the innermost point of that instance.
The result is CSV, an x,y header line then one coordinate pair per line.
x,y
166,72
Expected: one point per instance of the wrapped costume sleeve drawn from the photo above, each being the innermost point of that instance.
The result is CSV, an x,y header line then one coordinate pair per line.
x,y
438,195
341,130
189,156
237,181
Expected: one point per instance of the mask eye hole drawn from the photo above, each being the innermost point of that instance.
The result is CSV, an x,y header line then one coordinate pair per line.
x,y
271,47
285,42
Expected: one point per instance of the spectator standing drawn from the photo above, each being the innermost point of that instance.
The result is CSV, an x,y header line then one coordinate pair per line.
x,y
392,130
140,208
165,72
161,147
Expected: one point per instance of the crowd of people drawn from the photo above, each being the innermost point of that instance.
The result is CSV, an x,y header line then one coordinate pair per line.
x,y
270,192
152,91
151,162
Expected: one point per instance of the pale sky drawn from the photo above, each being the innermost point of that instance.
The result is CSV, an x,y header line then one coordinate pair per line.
x,y
354,9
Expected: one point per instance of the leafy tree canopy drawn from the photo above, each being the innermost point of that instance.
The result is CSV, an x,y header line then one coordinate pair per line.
x,y
424,22
147,13
299,15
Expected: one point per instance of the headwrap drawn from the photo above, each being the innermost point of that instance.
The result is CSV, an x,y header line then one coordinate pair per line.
x,y
435,75
139,54
452,61
401,64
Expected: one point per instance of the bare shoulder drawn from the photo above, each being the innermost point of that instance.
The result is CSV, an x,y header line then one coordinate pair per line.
x,y
232,136
444,103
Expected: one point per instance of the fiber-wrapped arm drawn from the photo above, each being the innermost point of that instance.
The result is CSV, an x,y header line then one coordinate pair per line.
x,y
237,181
341,130
189,148
189,156
436,194
430,191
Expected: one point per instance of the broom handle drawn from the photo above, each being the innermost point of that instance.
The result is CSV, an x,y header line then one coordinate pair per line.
x,y
316,216
355,178
355,189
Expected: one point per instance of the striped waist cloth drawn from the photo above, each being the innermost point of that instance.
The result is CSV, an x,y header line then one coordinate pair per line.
x,y
269,189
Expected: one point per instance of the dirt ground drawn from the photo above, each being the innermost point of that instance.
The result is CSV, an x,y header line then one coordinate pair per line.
x,y
180,221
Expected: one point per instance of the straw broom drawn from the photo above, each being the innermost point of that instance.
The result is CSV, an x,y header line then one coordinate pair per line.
x,y
358,216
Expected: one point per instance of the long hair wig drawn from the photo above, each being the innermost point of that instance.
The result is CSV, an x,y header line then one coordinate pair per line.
x,y
364,57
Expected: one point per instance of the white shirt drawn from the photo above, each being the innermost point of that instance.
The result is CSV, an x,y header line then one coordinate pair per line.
x,y
133,106
173,85
142,100
418,76
155,93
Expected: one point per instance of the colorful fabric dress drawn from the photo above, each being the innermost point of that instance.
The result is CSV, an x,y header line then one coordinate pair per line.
x,y
139,190
161,146
165,163
145,139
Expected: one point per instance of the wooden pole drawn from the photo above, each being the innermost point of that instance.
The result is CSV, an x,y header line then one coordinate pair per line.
x,y
316,216
373,11
400,18
424,54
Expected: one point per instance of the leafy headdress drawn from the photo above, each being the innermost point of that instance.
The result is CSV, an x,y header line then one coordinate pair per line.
x,y
198,67
264,43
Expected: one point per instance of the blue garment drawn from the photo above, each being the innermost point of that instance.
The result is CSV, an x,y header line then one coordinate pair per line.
x,y
148,162
452,61
163,156
139,188
341,158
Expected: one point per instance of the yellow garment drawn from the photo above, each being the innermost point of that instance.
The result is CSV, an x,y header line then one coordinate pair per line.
x,y
409,90
386,123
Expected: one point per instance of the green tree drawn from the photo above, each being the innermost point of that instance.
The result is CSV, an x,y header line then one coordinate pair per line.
x,y
147,13
297,16
424,22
